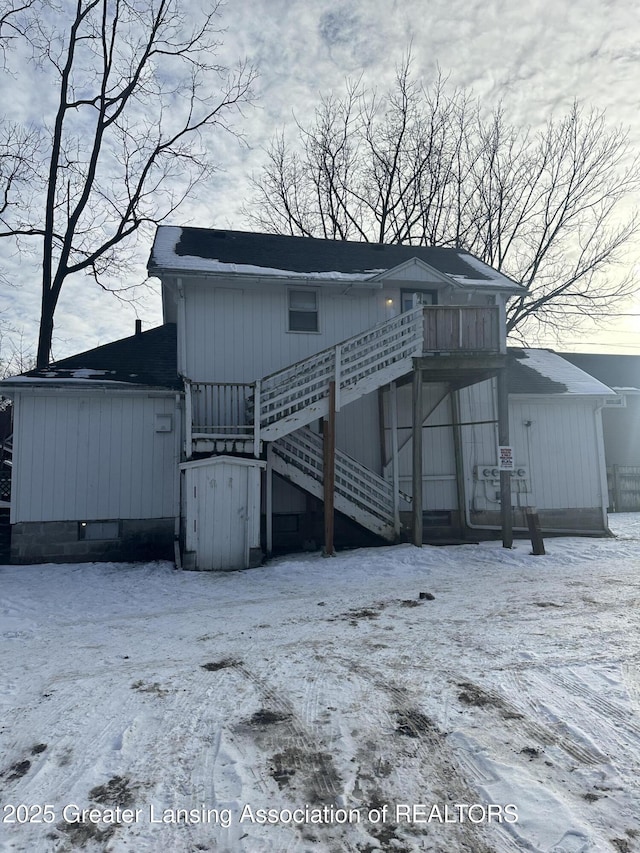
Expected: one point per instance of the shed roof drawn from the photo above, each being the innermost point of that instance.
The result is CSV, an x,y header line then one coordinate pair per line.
x,y
618,371
147,358
215,251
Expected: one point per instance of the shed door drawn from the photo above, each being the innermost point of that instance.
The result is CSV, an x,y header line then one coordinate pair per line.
x,y
217,516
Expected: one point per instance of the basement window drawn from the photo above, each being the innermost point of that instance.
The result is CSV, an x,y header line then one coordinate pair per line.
x,y
99,530
303,311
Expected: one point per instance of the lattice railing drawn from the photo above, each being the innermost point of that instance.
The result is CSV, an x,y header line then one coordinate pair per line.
x,y
296,387
362,488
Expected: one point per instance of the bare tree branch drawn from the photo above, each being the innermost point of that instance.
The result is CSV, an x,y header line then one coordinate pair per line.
x,y
550,209
138,92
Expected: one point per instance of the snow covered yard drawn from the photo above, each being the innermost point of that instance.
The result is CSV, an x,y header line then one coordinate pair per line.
x,y
328,686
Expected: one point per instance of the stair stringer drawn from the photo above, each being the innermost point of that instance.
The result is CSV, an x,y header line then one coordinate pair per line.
x,y
359,493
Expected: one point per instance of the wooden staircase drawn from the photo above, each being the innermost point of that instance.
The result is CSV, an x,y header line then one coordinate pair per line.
x,y
360,493
240,417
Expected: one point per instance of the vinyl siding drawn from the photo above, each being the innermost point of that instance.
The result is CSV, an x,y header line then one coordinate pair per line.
x,y
92,458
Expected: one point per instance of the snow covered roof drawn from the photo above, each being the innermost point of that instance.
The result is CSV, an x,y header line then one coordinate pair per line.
x,y
147,359
211,251
542,371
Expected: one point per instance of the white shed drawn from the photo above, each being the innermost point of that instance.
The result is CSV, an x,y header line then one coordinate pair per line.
x,y
221,496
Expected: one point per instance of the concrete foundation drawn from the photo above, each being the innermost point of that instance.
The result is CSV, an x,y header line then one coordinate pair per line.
x,y
61,542
582,521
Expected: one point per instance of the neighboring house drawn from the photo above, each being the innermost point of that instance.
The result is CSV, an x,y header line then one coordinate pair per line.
x,y
206,431
621,426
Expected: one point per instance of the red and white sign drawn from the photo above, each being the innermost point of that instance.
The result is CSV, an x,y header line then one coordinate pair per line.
x,y
505,458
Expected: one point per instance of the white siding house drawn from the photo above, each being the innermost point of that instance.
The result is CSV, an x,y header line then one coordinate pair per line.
x,y
206,433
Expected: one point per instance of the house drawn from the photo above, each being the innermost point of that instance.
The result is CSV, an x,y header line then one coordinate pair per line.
x,y
295,376
620,424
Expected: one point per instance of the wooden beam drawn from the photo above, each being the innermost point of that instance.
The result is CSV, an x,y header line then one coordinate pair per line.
x,y
329,470
416,472
506,514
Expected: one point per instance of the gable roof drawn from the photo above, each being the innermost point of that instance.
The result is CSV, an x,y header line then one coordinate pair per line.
x,y
213,251
618,371
542,371
145,359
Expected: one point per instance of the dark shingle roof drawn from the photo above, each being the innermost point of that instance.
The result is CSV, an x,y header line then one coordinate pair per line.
x,y
205,249
148,358
616,371
308,254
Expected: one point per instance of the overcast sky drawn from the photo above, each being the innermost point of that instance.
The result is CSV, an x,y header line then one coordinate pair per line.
x,y
535,57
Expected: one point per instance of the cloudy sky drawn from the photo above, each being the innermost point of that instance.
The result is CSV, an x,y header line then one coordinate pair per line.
x,y
535,57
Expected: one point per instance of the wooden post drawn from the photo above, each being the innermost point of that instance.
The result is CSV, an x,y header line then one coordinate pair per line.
x,y
506,515
393,405
329,470
268,509
533,523
416,473
458,451
256,419
188,420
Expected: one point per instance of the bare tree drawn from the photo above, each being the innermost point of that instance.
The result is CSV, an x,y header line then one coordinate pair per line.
x,y
429,167
138,89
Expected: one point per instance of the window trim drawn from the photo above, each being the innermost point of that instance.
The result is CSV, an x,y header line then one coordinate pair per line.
x,y
316,292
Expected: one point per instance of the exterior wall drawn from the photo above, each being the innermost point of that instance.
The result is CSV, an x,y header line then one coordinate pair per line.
x,y
60,542
238,333
621,429
556,441
93,456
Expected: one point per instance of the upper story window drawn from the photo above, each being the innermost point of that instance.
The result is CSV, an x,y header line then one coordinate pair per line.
x,y
415,297
303,311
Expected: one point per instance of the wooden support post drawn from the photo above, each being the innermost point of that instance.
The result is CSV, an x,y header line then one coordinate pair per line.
x,y
416,473
329,470
188,420
393,405
506,515
268,500
459,460
533,523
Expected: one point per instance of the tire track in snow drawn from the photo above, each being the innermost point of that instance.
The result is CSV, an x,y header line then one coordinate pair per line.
x,y
425,743
567,695
519,724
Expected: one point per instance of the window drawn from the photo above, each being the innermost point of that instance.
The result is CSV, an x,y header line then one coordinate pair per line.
x,y
303,311
99,530
421,297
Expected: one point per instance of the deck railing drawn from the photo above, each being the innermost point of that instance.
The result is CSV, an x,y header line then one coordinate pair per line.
x,y
465,328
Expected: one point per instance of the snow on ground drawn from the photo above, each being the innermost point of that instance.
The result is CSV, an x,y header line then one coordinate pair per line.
x,y
138,691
